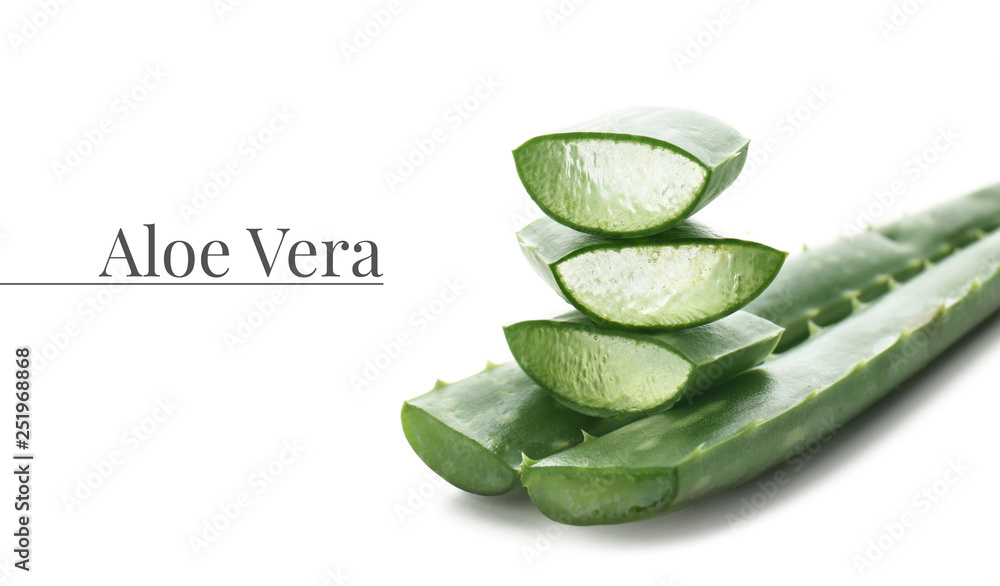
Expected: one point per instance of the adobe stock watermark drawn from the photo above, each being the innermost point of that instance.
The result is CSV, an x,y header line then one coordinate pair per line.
x,y
418,496
121,108
785,128
454,117
912,343
367,32
419,321
104,469
921,504
335,577
223,8
898,17
87,312
6,569
529,214
264,308
712,28
541,542
32,25
248,150
590,493
257,483
795,460
711,376
912,170
560,12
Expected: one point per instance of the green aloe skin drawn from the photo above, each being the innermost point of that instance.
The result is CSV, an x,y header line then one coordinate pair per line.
x,y
853,270
633,172
604,372
750,423
938,231
859,269
684,277
742,427
475,433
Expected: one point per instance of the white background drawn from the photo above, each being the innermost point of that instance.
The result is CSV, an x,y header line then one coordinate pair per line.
x,y
345,506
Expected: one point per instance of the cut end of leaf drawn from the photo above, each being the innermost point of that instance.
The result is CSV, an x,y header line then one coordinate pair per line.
x,y
604,185
441,447
631,173
606,372
599,496
670,285
593,370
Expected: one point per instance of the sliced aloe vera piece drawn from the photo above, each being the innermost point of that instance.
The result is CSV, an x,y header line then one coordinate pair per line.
x,y
604,372
680,278
475,432
633,172
760,417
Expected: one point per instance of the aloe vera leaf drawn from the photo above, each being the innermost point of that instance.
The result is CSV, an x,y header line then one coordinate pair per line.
x,y
680,278
935,232
474,433
633,172
604,372
821,285
760,417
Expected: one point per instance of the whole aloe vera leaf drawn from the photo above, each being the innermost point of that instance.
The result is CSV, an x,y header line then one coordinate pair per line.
x,y
475,433
755,420
633,172
605,372
684,277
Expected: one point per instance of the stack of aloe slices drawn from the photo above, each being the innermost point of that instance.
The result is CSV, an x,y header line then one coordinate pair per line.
x,y
652,394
